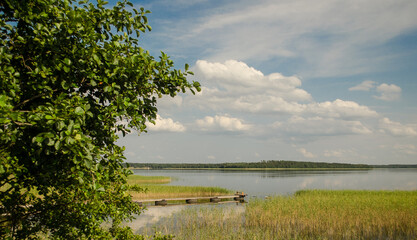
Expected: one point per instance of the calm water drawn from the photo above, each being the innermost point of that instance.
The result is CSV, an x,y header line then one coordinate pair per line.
x,y
267,183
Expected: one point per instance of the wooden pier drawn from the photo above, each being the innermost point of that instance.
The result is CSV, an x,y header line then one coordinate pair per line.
x,y
240,196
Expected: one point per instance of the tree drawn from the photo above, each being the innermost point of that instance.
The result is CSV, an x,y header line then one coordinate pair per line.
x,y
73,78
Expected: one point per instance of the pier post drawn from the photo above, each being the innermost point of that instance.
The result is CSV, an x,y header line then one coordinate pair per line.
x,y
191,200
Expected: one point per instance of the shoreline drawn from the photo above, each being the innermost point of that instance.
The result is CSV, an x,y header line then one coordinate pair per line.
x,y
265,169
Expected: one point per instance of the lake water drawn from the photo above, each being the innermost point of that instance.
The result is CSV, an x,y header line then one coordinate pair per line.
x,y
267,183
259,184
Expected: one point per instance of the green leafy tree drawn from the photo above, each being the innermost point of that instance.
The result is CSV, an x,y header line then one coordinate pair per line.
x,y
73,78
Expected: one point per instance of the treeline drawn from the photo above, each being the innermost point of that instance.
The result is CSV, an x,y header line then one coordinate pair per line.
x,y
262,164
396,166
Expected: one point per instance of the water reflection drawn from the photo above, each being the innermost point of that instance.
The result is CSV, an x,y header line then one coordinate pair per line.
x,y
151,216
281,174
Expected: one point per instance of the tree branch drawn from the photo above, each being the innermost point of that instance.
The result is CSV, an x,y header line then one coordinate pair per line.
x,y
32,98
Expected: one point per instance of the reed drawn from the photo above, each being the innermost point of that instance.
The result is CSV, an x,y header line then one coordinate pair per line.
x,y
309,214
138,179
166,191
338,215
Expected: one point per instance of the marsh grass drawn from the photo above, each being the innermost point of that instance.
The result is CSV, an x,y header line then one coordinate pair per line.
x,y
138,179
156,189
306,215
166,191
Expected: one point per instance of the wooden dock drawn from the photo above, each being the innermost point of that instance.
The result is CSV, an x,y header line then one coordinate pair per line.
x,y
193,200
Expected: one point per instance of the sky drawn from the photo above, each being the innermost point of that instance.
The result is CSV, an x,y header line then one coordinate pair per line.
x,y
321,81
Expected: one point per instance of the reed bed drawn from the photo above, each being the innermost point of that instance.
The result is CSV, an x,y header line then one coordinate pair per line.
x,y
309,214
138,179
165,191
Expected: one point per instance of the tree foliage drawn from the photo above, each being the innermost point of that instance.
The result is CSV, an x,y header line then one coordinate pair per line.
x,y
73,78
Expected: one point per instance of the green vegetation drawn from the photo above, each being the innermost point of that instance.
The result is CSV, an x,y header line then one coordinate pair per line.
x,y
309,214
156,190
73,79
138,179
166,191
272,164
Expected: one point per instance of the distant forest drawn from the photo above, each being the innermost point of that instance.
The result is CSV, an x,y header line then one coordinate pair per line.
x,y
262,164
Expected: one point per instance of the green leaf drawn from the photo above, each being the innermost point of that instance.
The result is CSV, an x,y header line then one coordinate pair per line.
x,y
79,111
67,61
57,145
60,125
77,137
3,100
88,164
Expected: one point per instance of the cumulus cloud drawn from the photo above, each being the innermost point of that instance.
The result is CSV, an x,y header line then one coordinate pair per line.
x,y
319,126
388,92
234,86
306,153
238,78
364,86
166,125
396,128
222,123
340,109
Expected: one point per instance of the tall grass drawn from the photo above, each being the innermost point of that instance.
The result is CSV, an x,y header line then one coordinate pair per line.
x,y
306,215
165,191
138,179
338,215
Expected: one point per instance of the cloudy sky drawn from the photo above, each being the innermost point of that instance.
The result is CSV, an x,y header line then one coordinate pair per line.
x,y
323,80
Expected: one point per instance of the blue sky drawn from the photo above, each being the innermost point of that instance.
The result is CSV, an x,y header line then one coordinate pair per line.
x,y
323,80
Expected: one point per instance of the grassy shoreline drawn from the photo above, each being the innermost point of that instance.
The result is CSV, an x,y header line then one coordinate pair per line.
x,y
311,214
261,169
156,189
139,179
164,191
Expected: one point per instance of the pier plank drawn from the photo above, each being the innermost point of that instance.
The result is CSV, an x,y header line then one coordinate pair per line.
x,y
190,199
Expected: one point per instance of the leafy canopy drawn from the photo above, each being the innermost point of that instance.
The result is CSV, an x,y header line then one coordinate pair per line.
x,y
71,74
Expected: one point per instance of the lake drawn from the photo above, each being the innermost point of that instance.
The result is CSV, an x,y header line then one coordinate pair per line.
x,y
259,184
267,183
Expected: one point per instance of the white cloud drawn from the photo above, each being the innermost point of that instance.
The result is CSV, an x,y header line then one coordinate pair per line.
x,y
389,92
340,109
222,123
169,102
396,128
364,86
319,126
333,153
338,153
234,86
306,153
166,125
211,157
409,149
237,78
